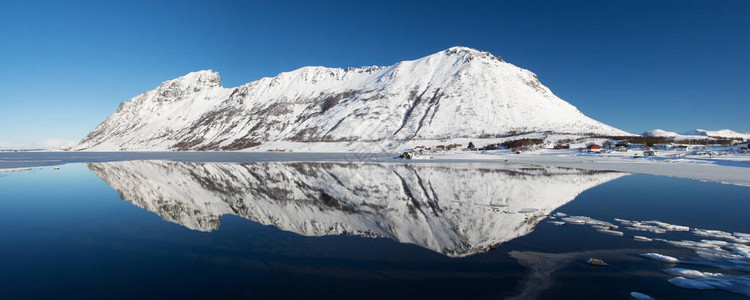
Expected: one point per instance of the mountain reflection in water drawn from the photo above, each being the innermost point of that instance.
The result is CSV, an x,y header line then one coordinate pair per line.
x,y
455,209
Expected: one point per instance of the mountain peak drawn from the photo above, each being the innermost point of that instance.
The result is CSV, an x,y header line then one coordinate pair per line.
x,y
462,49
203,78
470,52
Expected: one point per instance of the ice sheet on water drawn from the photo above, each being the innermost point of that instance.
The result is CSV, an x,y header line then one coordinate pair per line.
x,y
694,279
574,221
736,237
8,170
610,232
718,254
640,296
651,226
667,226
642,238
652,229
661,258
690,284
581,220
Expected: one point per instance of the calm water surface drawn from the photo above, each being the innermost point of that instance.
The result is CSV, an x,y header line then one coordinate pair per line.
x,y
293,230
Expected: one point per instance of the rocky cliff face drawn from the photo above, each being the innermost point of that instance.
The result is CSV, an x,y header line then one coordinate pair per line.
x,y
457,210
459,92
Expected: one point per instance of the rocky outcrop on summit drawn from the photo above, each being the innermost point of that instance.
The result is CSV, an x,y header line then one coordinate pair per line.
x,y
457,210
459,92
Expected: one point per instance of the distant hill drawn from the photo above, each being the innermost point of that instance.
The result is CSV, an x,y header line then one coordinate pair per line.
x,y
698,134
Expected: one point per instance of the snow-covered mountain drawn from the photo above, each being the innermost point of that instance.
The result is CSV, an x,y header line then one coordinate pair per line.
x,y
698,134
722,133
457,210
661,133
459,92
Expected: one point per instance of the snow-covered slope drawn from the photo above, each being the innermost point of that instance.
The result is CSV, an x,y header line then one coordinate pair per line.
x,y
661,133
722,133
698,134
457,210
459,92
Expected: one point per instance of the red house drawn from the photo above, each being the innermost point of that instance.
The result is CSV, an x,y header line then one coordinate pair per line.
x,y
594,147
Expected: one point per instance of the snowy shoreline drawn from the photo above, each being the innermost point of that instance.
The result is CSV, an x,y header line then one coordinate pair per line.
x,y
8,170
736,172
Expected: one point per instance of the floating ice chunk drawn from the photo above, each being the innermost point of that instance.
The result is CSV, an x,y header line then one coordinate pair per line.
x,y
706,280
639,296
604,227
742,235
713,233
627,222
574,220
667,226
652,226
742,250
640,227
559,214
580,220
689,283
736,237
558,223
661,258
718,254
610,232
691,273
695,244
642,238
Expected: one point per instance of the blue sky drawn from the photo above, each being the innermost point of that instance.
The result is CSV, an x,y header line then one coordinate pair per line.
x,y
636,65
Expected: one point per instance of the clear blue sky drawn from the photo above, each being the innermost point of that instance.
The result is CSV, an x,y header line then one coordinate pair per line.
x,y
637,65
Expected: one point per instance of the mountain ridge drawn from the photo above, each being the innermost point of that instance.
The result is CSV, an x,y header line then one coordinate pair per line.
x,y
698,134
458,92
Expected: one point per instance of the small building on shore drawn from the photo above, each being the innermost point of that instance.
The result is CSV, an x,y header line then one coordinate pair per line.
x,y
594,148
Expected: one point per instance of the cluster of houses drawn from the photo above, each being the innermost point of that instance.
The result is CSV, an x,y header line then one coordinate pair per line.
x,y
421,151
451,147
743,147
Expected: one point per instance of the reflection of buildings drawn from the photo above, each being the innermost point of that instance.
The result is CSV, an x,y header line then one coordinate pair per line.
x,y
457,210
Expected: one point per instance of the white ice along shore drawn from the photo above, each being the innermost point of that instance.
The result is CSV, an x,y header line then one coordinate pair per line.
x,y
457,210
8,170
456,93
